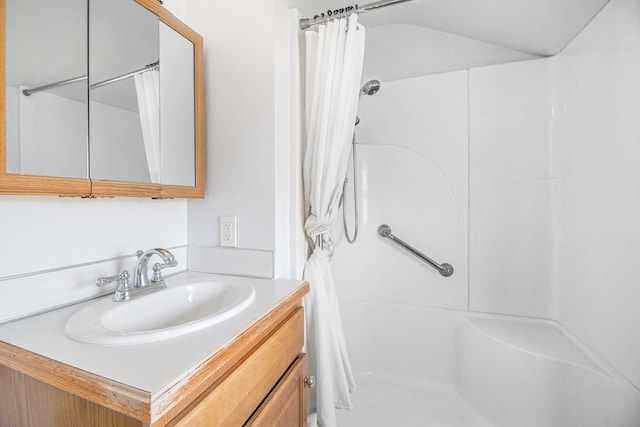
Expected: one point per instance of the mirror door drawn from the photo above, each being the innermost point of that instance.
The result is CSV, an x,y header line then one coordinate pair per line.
x,y
46,88
177,100
124,87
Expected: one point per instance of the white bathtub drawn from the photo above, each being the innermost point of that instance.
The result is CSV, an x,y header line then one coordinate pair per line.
x,y
418,366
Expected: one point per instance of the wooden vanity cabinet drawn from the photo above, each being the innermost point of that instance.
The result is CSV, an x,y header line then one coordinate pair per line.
x,y
257,380
233,399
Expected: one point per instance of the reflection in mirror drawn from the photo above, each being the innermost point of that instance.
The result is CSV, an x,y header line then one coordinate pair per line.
x,y
46,88
124,92
177,108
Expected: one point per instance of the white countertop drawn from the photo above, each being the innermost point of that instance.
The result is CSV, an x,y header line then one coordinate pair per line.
x,y
150,366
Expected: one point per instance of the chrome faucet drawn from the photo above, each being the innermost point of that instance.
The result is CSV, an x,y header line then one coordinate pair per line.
x,y
141,283
141,272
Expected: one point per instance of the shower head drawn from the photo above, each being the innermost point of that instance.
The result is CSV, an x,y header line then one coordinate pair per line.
x,y
371,87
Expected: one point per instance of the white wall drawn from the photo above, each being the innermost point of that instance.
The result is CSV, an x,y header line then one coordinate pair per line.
x,y
290,240
241,44
239,117
597,156
53,249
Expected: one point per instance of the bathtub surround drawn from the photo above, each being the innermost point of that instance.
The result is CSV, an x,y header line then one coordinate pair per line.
x,y
412,154
469,369
552,222
559,207
597,158
511,179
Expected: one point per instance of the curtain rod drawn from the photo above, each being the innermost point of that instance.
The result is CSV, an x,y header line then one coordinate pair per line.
x,y
152,66
306,23
29,92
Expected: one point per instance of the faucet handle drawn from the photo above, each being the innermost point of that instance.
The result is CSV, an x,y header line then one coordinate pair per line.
x,y
122,293
157,273
104,281
157,269
123,278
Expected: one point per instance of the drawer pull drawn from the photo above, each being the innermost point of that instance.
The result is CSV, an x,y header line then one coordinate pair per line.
x,y
310,381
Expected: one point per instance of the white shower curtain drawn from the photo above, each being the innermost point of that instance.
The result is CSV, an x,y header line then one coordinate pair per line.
x,y
148,92
333,72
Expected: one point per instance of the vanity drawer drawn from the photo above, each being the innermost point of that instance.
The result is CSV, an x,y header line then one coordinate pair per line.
x,y
232,400
286,406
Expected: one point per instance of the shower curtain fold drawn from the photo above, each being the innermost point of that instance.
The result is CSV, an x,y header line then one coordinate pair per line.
x,y
333,72
148,93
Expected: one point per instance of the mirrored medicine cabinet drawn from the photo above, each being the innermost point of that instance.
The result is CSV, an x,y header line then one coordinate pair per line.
x,y
100,98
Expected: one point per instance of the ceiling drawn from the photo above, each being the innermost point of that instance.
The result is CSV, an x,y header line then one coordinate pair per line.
x,y
404,40
430,36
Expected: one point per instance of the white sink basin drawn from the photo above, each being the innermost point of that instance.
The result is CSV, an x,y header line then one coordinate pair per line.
x,y
164,314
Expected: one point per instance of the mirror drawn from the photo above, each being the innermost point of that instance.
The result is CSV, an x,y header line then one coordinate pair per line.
x,y
177,99
124,87
46,88
124,119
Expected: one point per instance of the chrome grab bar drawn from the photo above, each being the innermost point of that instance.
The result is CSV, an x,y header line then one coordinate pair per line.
x,y
444,269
